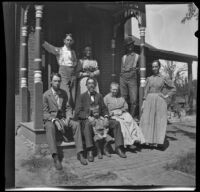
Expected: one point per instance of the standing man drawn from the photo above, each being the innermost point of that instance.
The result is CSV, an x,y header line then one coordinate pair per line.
x,y
83,112
58,118
67,62
128,76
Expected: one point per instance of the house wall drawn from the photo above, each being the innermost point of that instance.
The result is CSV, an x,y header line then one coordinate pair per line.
x,y
101,35
18,38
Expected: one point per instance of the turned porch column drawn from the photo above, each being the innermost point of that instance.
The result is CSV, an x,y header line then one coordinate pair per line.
x,y
142,60
25,108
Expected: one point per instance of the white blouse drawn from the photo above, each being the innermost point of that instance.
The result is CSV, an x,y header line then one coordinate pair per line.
x,y
66,57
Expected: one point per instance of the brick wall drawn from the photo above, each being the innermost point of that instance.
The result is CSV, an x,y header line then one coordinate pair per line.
x,y
31,47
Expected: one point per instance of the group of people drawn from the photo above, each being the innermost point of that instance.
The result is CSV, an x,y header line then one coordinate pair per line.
x,y
74,102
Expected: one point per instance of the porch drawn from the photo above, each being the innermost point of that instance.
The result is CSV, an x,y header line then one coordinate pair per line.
x,y
103,26
100,26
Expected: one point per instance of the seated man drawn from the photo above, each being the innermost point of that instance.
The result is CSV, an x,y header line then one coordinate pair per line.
x,y
82,111
58,117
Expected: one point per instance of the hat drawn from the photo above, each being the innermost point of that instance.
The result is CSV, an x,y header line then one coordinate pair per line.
x,y
129,41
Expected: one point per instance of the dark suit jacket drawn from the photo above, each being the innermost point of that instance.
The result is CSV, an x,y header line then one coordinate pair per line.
x,y
82,110
52,110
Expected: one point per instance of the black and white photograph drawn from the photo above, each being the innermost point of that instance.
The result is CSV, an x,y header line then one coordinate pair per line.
x,y
105,94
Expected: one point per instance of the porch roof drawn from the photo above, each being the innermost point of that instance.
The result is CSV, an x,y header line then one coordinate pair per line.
x,y
165,54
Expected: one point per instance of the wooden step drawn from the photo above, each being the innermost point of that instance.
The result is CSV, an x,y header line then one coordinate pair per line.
x,y
66,144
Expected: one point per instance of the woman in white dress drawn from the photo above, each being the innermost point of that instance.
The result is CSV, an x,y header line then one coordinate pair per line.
x,y
87,67
118,110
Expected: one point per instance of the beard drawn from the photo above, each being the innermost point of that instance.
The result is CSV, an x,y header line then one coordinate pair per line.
x,y
91,89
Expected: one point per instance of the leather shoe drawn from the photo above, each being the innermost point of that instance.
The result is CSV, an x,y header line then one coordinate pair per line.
x,y
105,151
132,147
90,156
120,153
99,155
57,163
137,142
82,159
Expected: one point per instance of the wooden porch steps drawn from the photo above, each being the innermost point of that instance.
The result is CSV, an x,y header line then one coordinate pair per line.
x,y
38,136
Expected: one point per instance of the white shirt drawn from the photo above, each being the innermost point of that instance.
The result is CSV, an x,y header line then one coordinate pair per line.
x,y
65,57
91,97
56,95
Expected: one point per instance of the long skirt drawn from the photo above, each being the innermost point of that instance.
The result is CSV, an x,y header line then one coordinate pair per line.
x,y
130,130
153,121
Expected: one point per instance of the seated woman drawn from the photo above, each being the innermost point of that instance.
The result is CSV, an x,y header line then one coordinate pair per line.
x,y
87,67
118,108
153,122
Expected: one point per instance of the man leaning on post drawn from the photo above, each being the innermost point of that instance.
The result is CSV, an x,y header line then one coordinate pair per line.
x,y
129,76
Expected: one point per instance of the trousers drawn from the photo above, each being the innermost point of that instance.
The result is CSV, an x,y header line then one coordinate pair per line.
x,y
52,131
68,75
114,130
129,90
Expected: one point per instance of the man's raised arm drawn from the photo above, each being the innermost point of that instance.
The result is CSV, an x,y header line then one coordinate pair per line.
x,y
50,48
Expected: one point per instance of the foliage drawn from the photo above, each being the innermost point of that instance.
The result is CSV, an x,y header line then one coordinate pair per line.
x,y
34,164
175,73
193,12
181,85
185,163
169,69
194,84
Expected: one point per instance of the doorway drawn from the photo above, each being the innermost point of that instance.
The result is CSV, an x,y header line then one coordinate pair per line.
x,y
74,20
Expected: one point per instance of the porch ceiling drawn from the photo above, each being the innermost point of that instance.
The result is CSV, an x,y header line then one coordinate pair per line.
x,y
113,8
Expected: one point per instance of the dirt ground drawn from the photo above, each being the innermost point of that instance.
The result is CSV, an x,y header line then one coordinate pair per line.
x,y
144,168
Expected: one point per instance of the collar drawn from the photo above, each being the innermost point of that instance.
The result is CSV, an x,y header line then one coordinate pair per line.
x,y
158,75
92,94
114,96
66,48
54,92
86,58
132,53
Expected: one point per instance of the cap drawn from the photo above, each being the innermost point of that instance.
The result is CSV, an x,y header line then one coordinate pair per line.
x,y
129,41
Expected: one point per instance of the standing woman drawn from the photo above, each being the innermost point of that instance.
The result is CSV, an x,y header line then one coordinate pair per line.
x,y
67,62
153,121
87,67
